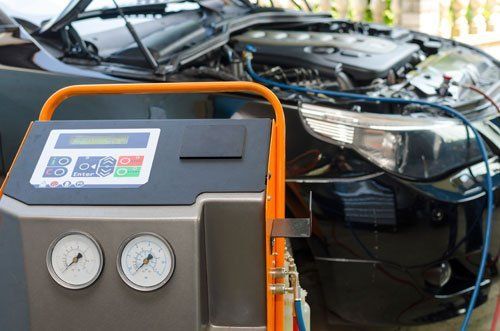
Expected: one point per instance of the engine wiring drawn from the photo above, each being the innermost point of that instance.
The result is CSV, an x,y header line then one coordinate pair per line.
x,y
451,112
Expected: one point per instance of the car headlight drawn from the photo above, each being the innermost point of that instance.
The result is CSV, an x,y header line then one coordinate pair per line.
x,y
418,146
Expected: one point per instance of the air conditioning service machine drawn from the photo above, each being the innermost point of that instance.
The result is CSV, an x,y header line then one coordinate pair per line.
x,y
149,224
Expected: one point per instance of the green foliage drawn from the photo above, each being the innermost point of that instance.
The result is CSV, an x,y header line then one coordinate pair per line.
x,y
388,14
368,17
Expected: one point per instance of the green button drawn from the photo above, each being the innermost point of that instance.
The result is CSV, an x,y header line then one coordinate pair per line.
x,y
127,171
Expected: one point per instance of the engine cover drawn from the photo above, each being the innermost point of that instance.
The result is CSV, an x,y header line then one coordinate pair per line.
x,y
362,56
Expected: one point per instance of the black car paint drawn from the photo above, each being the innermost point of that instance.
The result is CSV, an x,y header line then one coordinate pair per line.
x,y
364,264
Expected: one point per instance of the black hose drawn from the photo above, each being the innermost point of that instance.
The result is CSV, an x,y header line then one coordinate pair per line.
x,y
209,73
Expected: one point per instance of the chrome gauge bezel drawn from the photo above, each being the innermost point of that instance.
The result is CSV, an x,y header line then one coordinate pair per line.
x,y
124,277
53,273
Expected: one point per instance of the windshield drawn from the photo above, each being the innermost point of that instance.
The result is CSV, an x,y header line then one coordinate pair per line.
x,y
33,11
38,11
98,25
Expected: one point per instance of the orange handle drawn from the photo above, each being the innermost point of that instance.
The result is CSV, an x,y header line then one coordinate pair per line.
x,y
275,204
58,97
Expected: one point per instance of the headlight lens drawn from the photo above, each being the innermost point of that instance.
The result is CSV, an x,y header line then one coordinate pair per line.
x,y
415,146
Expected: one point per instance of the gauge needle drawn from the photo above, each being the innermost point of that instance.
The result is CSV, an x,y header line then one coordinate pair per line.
x,y
74,260
145,261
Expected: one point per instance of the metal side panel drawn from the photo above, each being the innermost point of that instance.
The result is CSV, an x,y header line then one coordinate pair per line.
x,y
14,305
235,251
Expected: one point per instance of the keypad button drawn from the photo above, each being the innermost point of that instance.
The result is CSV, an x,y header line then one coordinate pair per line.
x,y
86,166
62,161
55,172
94,166
130,161
105,171
127,172
106,166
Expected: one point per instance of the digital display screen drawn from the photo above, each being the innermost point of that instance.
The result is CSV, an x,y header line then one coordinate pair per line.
x,y
98,140
102,140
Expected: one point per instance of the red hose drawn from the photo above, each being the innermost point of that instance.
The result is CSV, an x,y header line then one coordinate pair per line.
x,y
496,316
486,96
295,324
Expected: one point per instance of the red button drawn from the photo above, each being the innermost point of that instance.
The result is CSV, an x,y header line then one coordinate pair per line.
x,y
131,161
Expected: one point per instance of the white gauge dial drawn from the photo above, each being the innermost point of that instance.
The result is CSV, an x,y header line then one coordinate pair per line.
x,y
75,260
146,262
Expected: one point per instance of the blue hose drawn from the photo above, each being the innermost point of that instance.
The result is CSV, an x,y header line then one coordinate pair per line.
x,y
300,315
449,111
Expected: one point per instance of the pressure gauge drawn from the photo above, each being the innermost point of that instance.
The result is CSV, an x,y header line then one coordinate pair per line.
x,y
146,261
74,260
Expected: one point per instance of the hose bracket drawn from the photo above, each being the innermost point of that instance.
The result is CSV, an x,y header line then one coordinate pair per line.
x,y
293,227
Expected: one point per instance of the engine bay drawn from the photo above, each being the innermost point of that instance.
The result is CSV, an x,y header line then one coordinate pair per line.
x,y
360,58
304,50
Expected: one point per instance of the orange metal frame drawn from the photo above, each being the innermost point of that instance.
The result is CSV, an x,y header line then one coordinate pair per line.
x,y
275,191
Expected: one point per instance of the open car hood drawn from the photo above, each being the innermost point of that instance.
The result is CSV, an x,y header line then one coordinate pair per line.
x,y
70,13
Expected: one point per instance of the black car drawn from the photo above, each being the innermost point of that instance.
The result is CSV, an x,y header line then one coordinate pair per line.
x,y
398,198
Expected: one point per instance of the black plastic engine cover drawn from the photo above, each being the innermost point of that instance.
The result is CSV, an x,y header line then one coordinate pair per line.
x,y
363,57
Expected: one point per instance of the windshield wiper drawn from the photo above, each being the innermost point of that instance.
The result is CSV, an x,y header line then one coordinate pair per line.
x,y
144,50
106,13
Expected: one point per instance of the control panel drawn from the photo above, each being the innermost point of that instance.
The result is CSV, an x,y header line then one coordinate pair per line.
x,y
139,162
96,158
